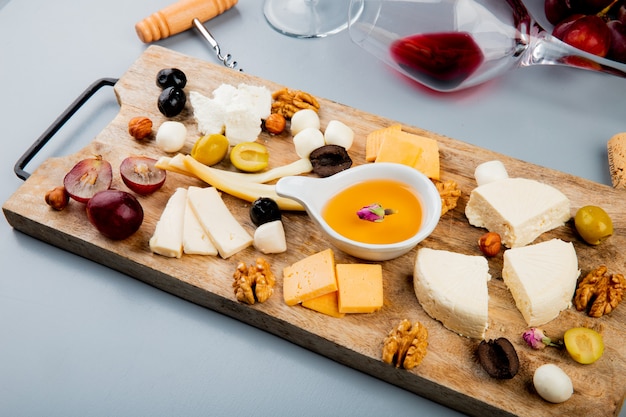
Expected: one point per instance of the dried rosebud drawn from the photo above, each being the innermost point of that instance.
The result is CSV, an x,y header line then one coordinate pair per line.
x,y
374,213
536,339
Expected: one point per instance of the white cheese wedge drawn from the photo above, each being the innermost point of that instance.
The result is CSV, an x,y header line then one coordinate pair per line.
x,y
167,239
542,279
518,209
228,236
195,240
452,288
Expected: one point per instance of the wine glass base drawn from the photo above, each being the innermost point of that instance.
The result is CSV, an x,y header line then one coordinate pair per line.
x,y
307,18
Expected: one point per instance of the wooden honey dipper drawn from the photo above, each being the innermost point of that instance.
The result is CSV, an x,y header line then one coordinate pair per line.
x,y
178,17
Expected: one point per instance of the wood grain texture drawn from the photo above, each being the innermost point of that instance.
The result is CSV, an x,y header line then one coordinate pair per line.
x,y
450,373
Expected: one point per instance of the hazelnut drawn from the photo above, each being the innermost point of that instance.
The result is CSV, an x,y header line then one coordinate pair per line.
x,y
490,244
140,127
57,198
275,123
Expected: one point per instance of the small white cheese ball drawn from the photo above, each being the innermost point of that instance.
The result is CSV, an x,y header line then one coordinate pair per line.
x,y
171,136
307,141
552,383
270,238
490,171
337,133
303,119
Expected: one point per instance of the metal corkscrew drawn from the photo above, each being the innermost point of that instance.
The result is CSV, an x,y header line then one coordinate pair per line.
x,y
227,59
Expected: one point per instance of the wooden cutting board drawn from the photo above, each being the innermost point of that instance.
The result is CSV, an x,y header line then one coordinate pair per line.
x,y
449,374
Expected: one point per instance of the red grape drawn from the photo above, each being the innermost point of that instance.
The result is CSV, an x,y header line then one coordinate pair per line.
x,y
588,33
140,174
88,177
621,14
557,10
116,214
617,50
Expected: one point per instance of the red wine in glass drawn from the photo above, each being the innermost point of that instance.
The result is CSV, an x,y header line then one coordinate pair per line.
x,y
443,60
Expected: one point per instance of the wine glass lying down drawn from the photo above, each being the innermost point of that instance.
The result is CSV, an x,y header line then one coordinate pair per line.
x,y
450,45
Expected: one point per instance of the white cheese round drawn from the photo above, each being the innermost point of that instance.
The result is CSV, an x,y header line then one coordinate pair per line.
x,y
490,171
304,119
307,141
338,133
552,383
171,136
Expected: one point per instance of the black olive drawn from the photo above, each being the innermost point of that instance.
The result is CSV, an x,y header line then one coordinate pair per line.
x,y
328,160
264,210
498,358
172,101
171,77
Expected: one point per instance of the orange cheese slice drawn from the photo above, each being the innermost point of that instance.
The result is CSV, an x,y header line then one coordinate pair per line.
x,y
360,288
417,151
375,139
309,278
325,304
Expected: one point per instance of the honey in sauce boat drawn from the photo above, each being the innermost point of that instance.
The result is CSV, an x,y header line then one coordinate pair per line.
x,y
341,212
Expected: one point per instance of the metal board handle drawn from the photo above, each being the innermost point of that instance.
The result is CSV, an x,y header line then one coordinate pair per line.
x,y
57,124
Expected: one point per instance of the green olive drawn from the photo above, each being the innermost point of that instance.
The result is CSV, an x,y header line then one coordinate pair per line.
x,y
593,224
249,156
210,149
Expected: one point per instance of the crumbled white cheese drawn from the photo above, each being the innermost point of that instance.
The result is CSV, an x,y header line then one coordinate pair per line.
x,y
236,112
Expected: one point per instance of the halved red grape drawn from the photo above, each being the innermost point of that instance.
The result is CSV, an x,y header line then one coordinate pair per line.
x,y
116,214
140,174
88,177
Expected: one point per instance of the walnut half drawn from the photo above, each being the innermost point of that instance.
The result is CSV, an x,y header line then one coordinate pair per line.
x,y
599,292
450,193
287,102
405,346
254,283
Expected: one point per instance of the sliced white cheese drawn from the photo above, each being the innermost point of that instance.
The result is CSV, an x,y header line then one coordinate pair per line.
x,y
452,288
167,239
542,279
270,237
518,209
228,236
195,240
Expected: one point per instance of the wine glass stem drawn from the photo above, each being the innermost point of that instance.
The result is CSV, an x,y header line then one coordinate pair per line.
x,y
548,50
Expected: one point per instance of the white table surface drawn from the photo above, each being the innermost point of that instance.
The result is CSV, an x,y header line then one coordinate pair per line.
x,y
79,339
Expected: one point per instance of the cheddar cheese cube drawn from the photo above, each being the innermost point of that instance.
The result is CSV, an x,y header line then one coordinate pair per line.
x,y
325,304
375,139
416,151
309,278
360,288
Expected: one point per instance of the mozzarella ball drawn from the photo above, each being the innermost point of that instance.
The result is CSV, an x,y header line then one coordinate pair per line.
x,y
303,119
270,237
307,141
552,383
490,171
171,136
337,133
